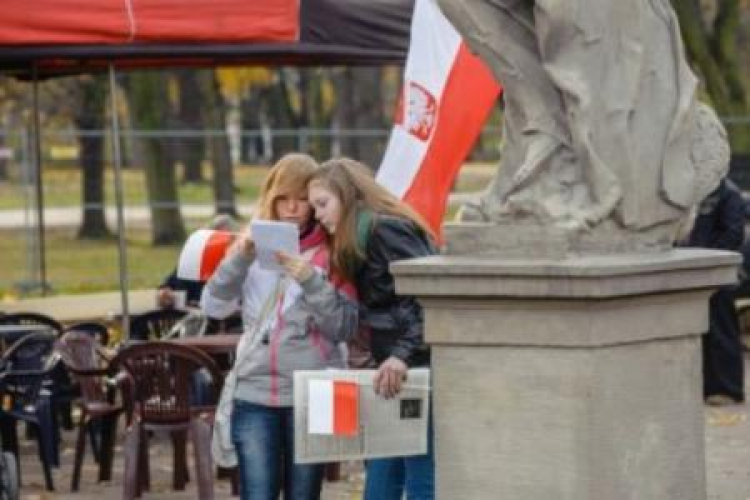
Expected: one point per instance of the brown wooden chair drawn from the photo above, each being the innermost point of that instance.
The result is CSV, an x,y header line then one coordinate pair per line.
x,y
95,329
89,365
161,376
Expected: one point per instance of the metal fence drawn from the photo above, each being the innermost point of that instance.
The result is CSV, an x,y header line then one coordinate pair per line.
x,y
20,243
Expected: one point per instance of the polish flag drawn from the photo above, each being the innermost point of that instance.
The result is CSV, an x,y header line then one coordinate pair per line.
x,y
202,253
447,96
333,407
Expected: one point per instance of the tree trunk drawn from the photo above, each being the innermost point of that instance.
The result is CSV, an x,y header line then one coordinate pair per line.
x,y
89,118
281,113
223,174
190,150
320,117
3,161
360,107
148,100
252,149
711,47
345,111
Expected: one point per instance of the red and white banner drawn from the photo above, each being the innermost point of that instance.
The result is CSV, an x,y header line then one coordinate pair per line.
x,y
448,94
202,253
333,407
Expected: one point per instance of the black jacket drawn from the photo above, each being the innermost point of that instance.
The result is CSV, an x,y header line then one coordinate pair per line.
x,y
720,222
193,289
396,322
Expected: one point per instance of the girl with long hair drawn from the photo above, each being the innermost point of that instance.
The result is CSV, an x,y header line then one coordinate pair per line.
x,y
368,228
293,320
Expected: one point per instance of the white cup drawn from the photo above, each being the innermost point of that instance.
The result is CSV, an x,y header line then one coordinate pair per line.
x,y
180,299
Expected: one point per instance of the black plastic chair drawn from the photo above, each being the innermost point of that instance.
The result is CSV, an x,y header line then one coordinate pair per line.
x,y
153,325
9,488
97,330
27,388
30,318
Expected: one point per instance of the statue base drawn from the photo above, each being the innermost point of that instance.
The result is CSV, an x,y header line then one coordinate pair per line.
x,y
512,240
577,378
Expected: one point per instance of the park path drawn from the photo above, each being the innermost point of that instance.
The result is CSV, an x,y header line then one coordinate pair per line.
x,y
139,214
71,216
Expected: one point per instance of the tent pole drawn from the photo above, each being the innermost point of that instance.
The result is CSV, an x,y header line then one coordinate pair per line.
x,y
116,158
36,127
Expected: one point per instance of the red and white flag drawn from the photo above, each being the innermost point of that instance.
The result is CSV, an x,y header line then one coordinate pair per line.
x,y
448,94
202,253
333,407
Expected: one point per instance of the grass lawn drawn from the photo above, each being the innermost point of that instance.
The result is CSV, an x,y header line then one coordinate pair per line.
x,y
62,187
77,266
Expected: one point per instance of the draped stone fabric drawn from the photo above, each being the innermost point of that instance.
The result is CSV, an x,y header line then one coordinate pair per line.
x,y
601,122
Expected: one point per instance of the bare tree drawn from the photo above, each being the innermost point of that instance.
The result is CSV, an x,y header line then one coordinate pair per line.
x,y
711,31
191,150
148,102
214,112
360,92
88,116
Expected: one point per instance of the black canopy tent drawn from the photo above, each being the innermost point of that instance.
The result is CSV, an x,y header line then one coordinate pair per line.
x,y
327,32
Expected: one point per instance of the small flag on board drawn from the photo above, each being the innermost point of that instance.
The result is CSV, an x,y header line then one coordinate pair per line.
x,y
333,407
202,253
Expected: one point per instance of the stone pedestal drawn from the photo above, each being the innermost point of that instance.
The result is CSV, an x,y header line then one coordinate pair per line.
x,y
577,378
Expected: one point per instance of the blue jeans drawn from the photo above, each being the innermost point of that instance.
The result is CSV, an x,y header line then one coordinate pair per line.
x,y
388,478
263,437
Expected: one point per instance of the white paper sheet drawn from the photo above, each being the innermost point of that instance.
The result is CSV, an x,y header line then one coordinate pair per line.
x,y
320,409
273,236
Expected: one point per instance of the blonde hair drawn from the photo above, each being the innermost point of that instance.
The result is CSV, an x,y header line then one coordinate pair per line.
x,y
289,176
354,185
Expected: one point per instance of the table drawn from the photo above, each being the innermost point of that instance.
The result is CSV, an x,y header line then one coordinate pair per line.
x,y
222,343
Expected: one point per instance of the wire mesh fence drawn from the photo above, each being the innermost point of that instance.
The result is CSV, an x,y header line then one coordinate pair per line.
x,y
75,264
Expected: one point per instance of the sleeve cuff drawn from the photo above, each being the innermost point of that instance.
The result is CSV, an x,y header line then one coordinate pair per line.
x,y
238,262
313,284
401,353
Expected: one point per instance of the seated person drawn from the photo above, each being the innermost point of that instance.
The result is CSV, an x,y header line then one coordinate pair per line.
x,y
166,294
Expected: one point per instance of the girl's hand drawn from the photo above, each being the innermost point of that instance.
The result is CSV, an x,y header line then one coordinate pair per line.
x,y
296,267
244,245
390,377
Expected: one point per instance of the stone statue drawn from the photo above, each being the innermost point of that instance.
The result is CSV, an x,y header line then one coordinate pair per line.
x,y
604,140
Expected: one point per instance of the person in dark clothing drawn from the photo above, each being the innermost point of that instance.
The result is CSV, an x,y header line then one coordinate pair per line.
x,y
720,224
369,228
743,289
165,294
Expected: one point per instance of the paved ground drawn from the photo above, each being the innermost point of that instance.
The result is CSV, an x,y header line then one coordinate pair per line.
x,y
348,488
727,462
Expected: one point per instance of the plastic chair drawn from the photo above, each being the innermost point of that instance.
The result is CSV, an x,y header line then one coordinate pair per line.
x,y
84,357
97,330
9,488
27,392
30,318
161,376
153,325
